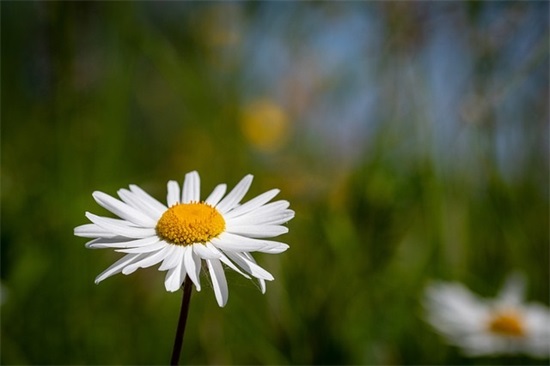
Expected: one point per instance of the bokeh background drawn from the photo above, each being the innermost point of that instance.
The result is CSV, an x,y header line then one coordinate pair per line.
x,y
411,139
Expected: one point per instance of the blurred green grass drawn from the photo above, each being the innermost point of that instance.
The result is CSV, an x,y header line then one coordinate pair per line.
x,y
96,96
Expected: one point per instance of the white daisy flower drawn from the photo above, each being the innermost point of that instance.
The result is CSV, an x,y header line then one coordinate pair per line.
x,y
504,325
186,231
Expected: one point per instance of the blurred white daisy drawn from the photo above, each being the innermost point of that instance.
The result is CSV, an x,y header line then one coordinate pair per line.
x,y
504,325
187,231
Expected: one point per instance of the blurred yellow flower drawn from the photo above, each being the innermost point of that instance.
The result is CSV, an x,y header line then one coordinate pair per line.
x,y
265,125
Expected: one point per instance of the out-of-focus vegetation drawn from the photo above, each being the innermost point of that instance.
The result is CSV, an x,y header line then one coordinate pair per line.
x,y
410,138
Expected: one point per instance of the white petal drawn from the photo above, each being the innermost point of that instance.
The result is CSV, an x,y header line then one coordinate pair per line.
x,y
216,195
117,267
257,231
119,228
183,269
191,188
261,281
93,231
272,213
276,248
537,318
513,291
123,210
118,221
148,198
149,259
249,266
226,260
205,252
269,219
263,288
219,283
176,275
172,256
173,196
454,310
253,203
272,207
139,204
120,242
172,280
192,266
278,219
144,248
231,242
236,195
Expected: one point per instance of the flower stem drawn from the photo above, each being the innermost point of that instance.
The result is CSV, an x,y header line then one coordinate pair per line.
x,y
178,341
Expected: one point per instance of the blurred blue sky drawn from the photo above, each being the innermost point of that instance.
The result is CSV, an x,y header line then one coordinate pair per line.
x,y
343,70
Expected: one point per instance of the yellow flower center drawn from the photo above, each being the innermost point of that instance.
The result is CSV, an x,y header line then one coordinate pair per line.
x,y
189,223
507,323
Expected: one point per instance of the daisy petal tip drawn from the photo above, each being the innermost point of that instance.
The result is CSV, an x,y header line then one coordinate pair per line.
x,y
291,215
171,288
100,197
196,283
278,249
128,270
247,179
263,287
221,299
89,215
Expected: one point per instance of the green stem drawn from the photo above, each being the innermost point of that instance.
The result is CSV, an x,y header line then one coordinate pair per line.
x,y
178,341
